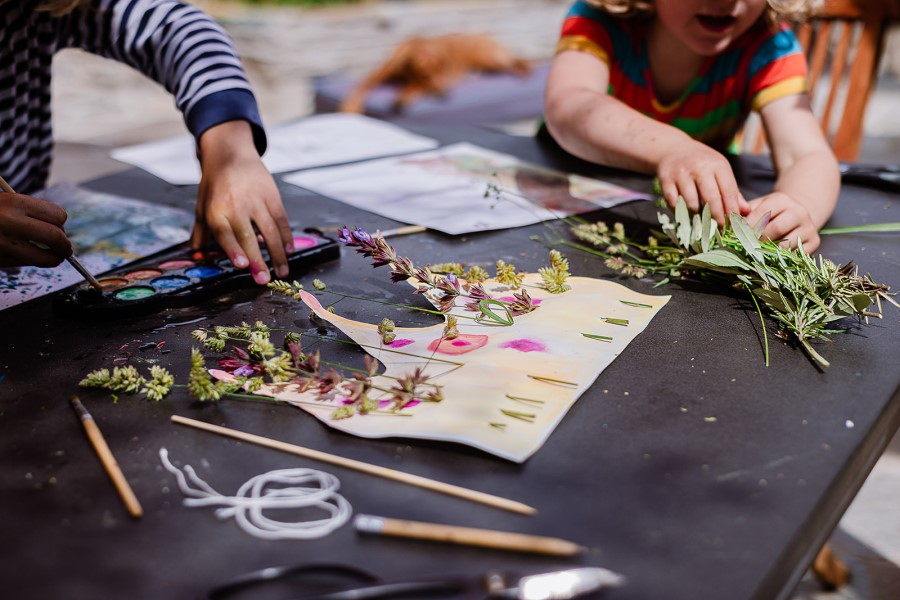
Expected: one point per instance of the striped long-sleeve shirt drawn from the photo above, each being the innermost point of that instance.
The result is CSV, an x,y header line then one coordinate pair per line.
x,y
172,43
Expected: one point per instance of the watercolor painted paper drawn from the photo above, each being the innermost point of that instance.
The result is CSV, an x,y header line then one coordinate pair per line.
x,y
106,231
327,139
446,189
498,396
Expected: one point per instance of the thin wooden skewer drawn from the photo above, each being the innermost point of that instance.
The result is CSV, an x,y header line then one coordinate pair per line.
x,y
407,230
349,463
107,458
72,260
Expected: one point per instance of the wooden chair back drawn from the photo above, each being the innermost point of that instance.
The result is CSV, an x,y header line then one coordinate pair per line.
x,y
843,41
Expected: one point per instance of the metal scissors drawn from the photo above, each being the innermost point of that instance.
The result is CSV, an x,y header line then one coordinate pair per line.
x,y
344,582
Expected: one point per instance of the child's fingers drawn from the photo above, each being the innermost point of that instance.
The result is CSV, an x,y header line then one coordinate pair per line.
x,y
23,234
731,195
687,189
683,186
243,249
276,210
199,235
46,211
712,197
276,244
230,242
16,252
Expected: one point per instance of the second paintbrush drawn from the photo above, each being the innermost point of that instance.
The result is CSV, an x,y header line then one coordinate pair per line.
x,y
468,536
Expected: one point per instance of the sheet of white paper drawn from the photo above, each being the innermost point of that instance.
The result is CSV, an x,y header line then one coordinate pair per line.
x,y
315,141
106,231
446,189
337,138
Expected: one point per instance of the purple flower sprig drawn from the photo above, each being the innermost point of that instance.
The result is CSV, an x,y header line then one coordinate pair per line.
x,y
445,289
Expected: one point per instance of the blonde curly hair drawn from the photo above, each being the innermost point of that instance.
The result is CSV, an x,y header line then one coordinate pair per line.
x,y
778,9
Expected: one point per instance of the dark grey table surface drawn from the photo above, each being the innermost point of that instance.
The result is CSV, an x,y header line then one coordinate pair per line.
x,y
683,506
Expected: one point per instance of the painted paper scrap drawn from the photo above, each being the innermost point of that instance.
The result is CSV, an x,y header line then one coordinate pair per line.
x,y
446,189
505,389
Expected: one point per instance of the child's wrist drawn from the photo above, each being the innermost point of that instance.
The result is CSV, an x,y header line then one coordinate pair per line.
x,y
227,142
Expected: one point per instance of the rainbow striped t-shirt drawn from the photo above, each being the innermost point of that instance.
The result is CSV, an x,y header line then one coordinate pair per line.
x,y
764,64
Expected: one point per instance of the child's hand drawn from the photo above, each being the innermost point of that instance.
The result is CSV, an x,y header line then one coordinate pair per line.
x,y
701,176
788,221
23,220
237,193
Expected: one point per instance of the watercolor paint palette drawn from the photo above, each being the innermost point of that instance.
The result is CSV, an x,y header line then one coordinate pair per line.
x,y
177,277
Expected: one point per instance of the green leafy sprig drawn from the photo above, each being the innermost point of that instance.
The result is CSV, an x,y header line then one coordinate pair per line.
x,y
803,295
129,380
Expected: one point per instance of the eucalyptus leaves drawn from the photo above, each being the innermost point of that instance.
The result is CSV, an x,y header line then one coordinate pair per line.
x,y
805,296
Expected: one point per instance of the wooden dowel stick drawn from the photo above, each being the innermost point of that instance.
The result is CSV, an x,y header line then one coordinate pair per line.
x,y
349,463
407,230
468,536
107,458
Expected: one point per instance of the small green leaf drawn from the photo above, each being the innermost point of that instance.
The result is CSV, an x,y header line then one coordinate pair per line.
x,y
860,302
772,299
747,236
485,304
682,223
871,228
720,259
696,231
760,226
706,229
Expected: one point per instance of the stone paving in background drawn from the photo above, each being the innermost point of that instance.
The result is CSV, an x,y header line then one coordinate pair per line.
x,y
99,104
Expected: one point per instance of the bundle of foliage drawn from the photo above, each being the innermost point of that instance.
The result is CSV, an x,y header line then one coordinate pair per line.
x,y
803,295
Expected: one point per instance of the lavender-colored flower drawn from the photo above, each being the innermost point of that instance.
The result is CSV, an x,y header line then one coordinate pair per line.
x,y
361,236
239,367
447,283
344,236
244,371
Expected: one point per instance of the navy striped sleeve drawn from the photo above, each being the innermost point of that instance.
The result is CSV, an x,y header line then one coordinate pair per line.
x,y
180,47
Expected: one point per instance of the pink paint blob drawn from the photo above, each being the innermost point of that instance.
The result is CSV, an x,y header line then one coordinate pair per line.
x,y
524,345
400,342
303,241
410,404
464,343
534,301
171,265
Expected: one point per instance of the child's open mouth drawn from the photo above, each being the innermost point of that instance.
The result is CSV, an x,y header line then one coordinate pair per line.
x,y
716,23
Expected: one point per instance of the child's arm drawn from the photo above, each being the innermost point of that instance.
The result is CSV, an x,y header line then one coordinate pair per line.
x,y
592,125
24,219
191,55
806,190
237,192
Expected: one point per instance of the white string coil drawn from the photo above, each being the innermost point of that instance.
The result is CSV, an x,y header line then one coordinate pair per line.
x,y
303,488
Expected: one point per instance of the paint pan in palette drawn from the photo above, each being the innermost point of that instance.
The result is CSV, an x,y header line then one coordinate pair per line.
x,y
177,277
